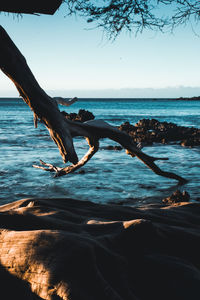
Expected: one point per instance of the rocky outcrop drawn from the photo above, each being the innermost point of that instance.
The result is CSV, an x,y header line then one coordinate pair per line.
x,y
70,249
177,197
149,131
189,98
81,116
116,148
191,142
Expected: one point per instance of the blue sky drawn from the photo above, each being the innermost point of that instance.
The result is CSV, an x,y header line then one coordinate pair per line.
x,y
69,60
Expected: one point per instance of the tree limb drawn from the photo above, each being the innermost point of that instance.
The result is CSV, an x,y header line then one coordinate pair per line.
x,y
100,129
94,146
14,65
64,101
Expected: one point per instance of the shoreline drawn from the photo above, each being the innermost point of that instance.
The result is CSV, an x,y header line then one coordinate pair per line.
x,y
104,99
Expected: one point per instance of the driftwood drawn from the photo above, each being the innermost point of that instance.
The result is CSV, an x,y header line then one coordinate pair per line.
x,y
61,130
14,65
97,129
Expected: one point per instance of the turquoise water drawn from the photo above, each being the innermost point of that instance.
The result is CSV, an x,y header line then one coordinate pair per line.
x,y
110,176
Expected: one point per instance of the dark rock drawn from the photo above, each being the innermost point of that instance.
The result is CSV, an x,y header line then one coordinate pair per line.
x,y
82,116
177,197
148,131
118,148
190,142
164,141
127,127
188,98
81,172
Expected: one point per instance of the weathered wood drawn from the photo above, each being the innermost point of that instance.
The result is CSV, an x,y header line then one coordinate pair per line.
x,y
94,147
64,101
94,130
14,65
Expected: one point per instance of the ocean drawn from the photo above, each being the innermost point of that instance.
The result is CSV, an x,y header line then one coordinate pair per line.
x,y
110,176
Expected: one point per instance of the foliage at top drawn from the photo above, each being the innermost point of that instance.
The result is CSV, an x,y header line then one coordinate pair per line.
x,y
115,15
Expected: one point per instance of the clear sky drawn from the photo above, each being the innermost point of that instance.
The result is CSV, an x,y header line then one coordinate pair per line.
x,y
69,60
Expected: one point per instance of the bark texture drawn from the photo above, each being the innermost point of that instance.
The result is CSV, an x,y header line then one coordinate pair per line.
x,y
14,65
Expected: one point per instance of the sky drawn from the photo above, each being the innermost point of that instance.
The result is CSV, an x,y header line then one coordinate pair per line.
x,y
69,59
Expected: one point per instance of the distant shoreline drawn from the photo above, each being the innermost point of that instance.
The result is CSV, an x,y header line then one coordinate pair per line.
x,y
196,98
189,98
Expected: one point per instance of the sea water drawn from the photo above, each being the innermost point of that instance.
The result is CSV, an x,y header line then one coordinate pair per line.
x,y
110,176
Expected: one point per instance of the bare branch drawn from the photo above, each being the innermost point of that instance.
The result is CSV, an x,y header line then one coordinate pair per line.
x,y
64,101
94,146
94,130
51,168
14,65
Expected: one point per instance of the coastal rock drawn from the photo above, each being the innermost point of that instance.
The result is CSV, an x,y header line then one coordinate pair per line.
x,y
116,148
82,116
127,127
70,249
149,131
189,98
190,142
177,197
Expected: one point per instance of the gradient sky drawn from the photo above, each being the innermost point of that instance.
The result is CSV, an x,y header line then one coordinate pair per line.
x,y
69,60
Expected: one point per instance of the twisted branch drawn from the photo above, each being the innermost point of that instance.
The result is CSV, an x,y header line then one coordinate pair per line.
x,y
93,131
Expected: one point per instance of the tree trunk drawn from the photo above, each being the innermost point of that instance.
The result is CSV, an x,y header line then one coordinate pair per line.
x,y
14,65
